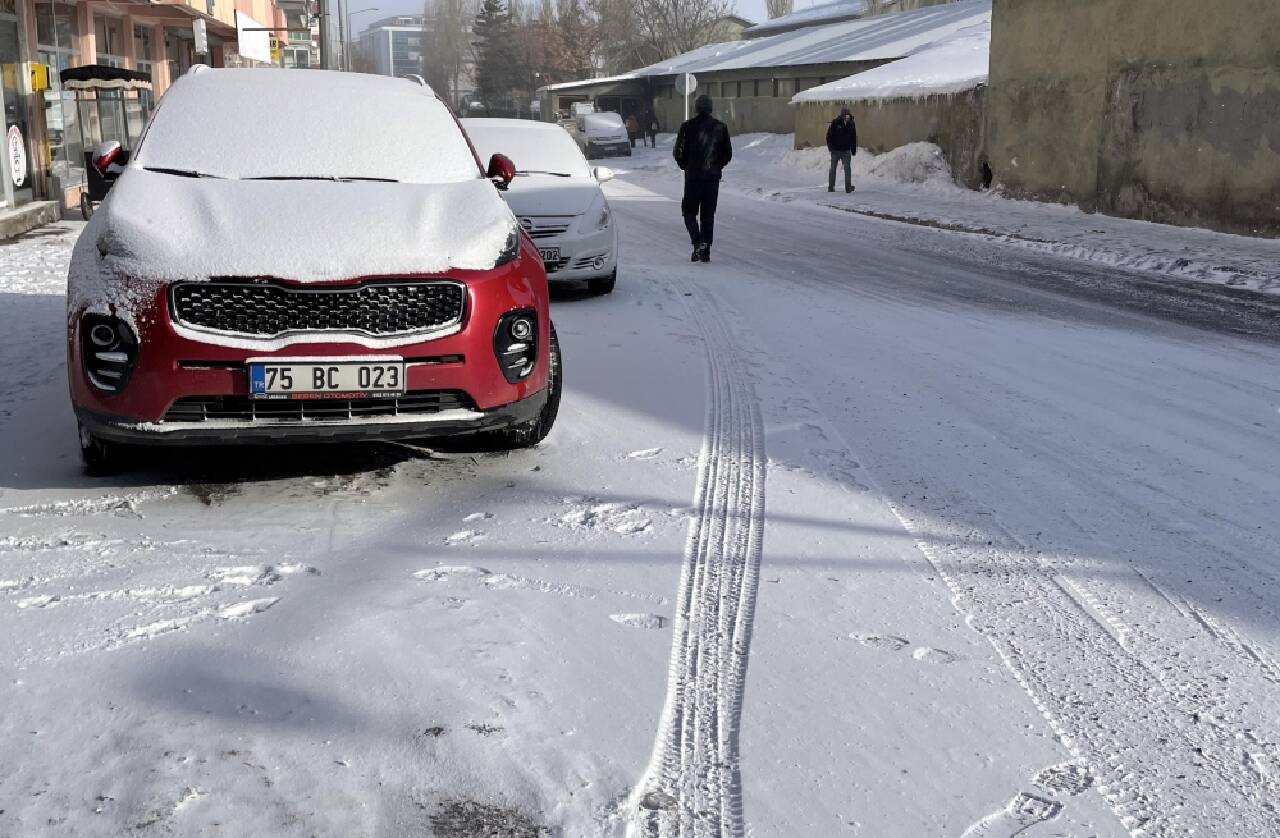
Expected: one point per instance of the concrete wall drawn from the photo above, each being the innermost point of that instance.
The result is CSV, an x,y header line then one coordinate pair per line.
x,y
1167,110
954,122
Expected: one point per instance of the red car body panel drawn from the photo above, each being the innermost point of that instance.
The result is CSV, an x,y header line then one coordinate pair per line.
x,y
172,365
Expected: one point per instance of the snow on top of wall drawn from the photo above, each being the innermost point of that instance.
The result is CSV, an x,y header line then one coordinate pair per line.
x,y
952,65
811,16
244,123
879,38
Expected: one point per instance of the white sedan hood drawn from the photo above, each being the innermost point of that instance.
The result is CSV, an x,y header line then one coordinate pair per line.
x,y
164,227
534,195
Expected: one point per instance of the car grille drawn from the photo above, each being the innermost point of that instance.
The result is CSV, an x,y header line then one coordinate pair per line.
x,y
267,310
245,409
556,265
545,228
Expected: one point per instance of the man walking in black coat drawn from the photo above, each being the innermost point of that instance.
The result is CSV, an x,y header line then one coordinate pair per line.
x,y
702,150
842,142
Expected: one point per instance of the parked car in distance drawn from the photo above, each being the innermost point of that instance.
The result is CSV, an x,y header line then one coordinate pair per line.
x,y
304,255
556,195
602,135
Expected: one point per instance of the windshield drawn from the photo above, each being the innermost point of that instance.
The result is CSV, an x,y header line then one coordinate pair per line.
x,y
535,148
302,124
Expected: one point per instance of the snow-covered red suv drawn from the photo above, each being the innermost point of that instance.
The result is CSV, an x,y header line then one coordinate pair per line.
x,y
296,255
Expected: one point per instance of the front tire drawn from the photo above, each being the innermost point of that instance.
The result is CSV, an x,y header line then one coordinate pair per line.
x,y
603,284
101,458
535,431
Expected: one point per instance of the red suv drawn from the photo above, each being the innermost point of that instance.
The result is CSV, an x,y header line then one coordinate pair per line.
x,y
294,255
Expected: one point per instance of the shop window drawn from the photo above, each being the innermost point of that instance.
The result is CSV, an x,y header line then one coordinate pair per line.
x,y
108,35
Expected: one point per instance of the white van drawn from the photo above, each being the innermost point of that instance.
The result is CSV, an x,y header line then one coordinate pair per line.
x,y
602,135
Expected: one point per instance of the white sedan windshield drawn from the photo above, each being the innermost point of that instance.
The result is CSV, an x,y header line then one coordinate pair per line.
x,y
536,148
302,124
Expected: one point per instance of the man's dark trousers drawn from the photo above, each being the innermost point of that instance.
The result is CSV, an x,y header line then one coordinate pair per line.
x,y
699,208
844,158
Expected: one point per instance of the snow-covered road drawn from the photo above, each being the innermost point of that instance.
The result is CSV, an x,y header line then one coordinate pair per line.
x,y
863,529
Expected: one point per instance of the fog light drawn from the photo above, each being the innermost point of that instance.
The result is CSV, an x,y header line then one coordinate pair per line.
x,y
599,262
108,351
515,344
521,328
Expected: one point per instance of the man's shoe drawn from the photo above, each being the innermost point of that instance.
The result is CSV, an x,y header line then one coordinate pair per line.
x,y
704,253
697,253
831,189
848,189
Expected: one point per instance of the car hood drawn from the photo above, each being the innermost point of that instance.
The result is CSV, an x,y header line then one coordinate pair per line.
x,y
544,195
165,227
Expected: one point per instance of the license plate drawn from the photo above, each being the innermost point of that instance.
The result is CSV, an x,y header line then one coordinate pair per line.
x,y
312,378
550,254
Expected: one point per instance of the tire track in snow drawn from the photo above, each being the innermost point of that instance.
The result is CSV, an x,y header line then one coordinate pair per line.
x,y
692,787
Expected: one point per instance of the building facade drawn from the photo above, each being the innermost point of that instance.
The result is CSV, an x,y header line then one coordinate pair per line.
x,y
393,46
49,129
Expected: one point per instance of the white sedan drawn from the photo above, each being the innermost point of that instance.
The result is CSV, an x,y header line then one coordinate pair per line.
x,y
556,195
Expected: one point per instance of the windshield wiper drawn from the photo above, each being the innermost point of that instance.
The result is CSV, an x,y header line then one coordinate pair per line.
x,y
542,172
334,178
178,172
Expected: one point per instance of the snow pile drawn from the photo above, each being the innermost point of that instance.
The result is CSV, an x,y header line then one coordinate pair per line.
x,y
241,123
916,163
952,65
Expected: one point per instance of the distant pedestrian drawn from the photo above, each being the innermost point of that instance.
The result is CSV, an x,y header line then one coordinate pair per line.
x,y
702,150
651,129
633,129
842,142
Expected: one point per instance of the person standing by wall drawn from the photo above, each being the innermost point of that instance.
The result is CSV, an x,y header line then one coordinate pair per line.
x,y
633,128
651,128
842,142
702,150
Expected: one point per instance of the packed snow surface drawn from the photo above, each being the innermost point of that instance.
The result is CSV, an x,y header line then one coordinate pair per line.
x,y
275,123
951,65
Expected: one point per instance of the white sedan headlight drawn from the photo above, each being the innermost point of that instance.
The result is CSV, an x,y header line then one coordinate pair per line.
x,y
597,218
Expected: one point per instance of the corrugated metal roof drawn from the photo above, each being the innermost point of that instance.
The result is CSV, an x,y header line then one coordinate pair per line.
x,y
879,38
814,15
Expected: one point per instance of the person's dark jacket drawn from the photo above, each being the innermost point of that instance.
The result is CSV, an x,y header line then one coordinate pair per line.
x,y
842,136
702,148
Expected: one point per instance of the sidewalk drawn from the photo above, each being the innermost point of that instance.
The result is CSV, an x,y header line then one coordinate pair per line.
x,y
911,185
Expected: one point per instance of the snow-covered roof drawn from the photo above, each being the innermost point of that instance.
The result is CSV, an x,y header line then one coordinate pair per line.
x,y
566,85
821,13
952,65
879,38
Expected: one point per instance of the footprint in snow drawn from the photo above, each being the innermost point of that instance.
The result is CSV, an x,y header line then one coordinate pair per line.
x,y
644,621
477,516
1069,778
1018,815
644,454
247,609
927,654
888,642
464,536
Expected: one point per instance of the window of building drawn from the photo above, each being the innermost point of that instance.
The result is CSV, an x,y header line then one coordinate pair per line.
x,y
55,30
108,33
784,88
804,84
713,89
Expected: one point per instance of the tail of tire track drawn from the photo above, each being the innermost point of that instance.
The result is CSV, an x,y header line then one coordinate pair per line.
x,y
692,787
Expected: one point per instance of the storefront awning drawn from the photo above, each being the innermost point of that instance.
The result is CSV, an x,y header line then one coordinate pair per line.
x,y
102,77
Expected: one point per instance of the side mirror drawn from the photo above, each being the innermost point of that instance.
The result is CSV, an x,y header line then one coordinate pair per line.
x,y
602,173
106,155
501,169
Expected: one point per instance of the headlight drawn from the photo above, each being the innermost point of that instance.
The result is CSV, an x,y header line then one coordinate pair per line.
x,y
511,249
597,218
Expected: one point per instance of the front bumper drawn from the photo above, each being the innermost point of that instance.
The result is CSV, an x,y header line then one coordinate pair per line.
x,y
578,254
619,148
221,432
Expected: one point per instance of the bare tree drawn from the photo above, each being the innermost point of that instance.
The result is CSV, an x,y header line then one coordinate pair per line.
x,y
778,8
447,57
638,32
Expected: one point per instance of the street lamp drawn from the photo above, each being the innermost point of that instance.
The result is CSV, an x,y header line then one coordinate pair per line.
x,y
348,31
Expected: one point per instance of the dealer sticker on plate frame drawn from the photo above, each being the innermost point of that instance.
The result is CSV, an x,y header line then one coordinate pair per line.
x,y
331,378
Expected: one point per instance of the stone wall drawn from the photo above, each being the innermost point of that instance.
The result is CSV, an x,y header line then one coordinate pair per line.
x,y
954,122
1166,110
